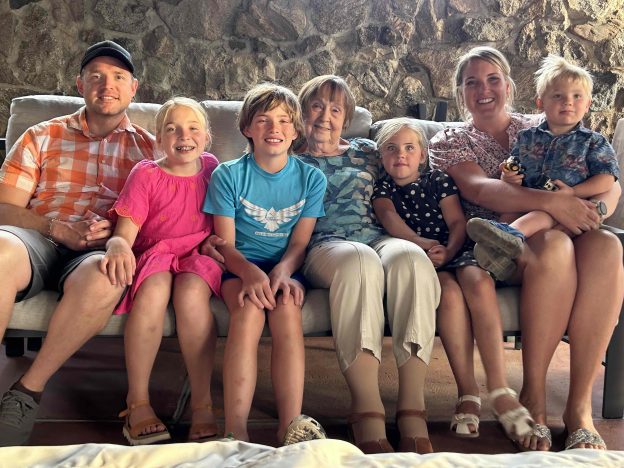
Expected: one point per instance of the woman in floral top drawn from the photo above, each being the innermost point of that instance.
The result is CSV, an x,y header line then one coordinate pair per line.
x,y
562,278
350,255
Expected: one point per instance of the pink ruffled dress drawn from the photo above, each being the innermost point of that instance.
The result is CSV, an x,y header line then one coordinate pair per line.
x,y
167,209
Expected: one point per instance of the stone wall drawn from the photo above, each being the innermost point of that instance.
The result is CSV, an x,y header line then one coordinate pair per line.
x,y
394,53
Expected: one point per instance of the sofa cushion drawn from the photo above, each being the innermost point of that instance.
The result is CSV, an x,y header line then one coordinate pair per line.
x,y
228,143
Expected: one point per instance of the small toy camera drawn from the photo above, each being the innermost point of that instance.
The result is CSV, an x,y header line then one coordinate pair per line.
x,y
512,164
546,183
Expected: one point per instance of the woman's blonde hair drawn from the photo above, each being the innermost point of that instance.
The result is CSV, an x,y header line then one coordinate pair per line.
x,y
554,68
266,97
490,55
196,107
393,126
336,86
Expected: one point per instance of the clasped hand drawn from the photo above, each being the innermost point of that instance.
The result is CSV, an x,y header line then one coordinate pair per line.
x,y
82,235
262,289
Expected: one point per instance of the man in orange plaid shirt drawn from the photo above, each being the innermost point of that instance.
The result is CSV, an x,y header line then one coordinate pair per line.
x,y
56,185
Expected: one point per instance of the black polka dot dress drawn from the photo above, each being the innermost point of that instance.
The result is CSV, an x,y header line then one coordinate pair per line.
x,y
418,204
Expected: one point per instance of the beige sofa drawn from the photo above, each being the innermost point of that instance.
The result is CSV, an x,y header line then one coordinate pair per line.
x,y
30,317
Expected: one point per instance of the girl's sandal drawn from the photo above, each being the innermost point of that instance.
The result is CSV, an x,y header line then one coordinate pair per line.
x,y
516,422
461,421
210,430
134,434
420,445
369,446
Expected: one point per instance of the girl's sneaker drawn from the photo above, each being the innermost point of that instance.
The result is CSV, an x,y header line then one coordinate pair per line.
x,y
303,428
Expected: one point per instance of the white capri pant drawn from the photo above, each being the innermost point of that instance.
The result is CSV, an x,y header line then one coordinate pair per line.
x,y
357,276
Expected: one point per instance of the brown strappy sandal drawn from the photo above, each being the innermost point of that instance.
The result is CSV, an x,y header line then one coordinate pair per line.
x,y
420,445
133,434
210,428
370,446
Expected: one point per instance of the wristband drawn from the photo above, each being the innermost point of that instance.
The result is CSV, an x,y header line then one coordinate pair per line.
x,y
48,235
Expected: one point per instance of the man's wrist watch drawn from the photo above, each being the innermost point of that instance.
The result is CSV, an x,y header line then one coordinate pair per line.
x,y
601,207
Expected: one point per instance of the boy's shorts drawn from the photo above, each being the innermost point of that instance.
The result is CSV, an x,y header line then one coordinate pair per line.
x,y
50,264
267,267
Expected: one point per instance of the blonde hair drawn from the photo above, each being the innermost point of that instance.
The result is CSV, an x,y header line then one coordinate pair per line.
x,y
554,68
196,107
393,126
336,86
490,55
266,97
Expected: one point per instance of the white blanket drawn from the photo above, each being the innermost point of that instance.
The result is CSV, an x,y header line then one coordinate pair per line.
x,y
314,454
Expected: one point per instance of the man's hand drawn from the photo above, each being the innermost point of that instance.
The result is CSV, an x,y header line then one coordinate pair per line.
x,y
209,247
119,263
81,235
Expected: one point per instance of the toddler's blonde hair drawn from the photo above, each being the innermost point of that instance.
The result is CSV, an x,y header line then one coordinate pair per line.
x,y
393,126
554,68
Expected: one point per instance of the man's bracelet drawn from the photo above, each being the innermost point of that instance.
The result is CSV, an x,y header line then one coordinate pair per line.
x,y
48,235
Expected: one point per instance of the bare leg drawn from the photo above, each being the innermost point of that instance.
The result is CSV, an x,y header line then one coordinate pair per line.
x,y
533,222
363,381
198,338
412,397
142,338
480,294
287,361
15,273
594,315
240,363
548,290
454,327
84,310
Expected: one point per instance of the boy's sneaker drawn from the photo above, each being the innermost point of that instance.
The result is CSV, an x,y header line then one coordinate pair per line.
x,y
507,240
490,259
303,428
17,418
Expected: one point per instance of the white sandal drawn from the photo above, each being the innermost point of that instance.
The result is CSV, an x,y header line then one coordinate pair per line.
x,y
460,421
516,422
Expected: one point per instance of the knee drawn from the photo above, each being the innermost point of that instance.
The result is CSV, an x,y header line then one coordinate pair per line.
x,y
554,250
357,264
88,281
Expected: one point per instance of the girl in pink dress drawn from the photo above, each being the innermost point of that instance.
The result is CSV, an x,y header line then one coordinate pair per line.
x,y
154,251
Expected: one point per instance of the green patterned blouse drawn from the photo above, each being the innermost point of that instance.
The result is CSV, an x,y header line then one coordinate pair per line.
x,y
350,179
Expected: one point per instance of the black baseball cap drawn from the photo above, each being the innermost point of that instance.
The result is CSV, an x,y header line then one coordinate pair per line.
x,y
108,49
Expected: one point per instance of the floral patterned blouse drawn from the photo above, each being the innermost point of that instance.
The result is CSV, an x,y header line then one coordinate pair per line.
x,y
464,143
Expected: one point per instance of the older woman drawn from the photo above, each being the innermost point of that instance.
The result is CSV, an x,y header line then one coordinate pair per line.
x,y
563,278
350,255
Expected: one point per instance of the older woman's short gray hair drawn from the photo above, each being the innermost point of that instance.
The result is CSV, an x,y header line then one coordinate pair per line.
x,y
336,86
491,55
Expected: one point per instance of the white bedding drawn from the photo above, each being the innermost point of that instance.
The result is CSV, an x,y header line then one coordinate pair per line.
x,y
314,454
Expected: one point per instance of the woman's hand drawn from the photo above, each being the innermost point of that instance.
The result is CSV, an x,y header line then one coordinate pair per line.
x,y
439,255
575,214
119,263
282,281
257,287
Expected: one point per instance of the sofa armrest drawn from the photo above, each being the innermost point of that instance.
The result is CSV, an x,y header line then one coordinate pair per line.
x,y
613,398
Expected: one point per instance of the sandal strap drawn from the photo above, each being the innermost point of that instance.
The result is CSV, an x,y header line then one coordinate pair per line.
x,y
422,414
498,392
472,398
135,431
201,407
357,417
133,406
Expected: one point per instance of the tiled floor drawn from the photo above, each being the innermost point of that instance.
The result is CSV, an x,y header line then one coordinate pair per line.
x,y
82,400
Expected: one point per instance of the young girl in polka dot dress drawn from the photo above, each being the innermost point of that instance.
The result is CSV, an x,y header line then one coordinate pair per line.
x,y
425,209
